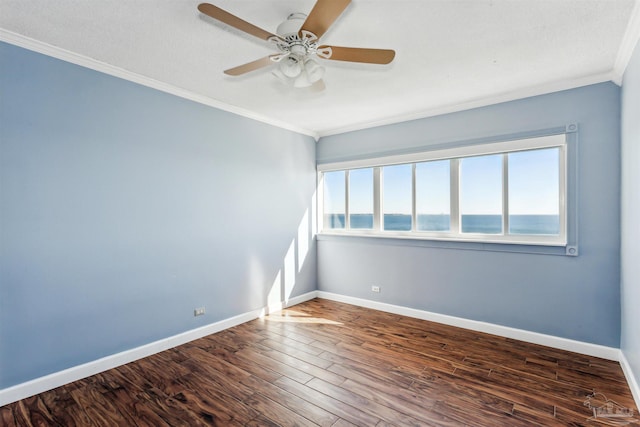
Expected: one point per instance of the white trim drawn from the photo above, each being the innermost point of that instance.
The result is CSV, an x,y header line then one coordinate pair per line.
x,y
57,379
631,379
441,236
319,201
513,95
505,192
454,194
588,349
629,42
414,204
557,86
347,222
93,64
519,144
377,199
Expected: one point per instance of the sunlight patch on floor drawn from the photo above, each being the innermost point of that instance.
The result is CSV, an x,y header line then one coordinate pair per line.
x,y
292,316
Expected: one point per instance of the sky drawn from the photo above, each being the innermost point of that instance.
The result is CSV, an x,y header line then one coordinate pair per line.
x,y
533,186
361,191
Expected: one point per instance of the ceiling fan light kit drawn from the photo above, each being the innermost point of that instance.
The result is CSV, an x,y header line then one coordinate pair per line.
x,y
297,41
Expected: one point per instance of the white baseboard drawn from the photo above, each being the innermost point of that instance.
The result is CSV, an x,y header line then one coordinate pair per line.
x,y
57,379
589,349
631,379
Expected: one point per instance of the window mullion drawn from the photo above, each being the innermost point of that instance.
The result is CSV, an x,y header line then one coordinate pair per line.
x,y
562,200
505,194
377,198
347,220
454,191
414,216
320,201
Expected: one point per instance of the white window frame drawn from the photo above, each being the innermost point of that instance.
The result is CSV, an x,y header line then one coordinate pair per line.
x,y
453,155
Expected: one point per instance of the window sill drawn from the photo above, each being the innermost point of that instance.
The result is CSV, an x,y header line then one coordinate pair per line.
x,y
397,239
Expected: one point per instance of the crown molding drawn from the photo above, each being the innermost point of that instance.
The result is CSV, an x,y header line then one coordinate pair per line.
x,y
93,64
514,95
629,42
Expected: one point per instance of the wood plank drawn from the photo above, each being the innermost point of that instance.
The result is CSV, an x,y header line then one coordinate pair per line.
x,y
64,408
276,412
344,366
241,363
137,411
345,423
307,409
170,409
6,416
310,356
220,402
259,359
99,409
301,365
369,404
329,403
220,375
212,408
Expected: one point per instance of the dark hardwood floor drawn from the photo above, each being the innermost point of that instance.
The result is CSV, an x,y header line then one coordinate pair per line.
x,y
332,364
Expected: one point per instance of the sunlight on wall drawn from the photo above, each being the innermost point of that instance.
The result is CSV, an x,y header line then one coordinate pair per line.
x,y
275,294
303,240
290,271
314,218
258,278
284,283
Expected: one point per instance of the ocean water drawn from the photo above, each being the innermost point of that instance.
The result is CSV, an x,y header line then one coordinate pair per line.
x,y
485,224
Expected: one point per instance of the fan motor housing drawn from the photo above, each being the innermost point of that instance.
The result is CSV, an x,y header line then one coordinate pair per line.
x,y
291,25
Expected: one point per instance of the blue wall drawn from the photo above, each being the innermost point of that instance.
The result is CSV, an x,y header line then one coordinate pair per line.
x,y
630,282
571,297
123,208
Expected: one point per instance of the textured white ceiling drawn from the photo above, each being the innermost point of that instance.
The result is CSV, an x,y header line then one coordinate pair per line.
x,y
451,54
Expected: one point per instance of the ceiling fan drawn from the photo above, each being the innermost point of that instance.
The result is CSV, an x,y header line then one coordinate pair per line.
x,y
297,41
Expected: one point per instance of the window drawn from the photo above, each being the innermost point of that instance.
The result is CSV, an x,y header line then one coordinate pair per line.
x,y
534,185
396,197
361,199
481,194
334,200
433,206
511,192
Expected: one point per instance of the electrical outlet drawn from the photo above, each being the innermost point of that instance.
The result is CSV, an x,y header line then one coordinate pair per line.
x,y
198,311
375,289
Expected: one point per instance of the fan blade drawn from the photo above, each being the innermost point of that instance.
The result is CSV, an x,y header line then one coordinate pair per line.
x,y
323,14
251,66
223,16
358,54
